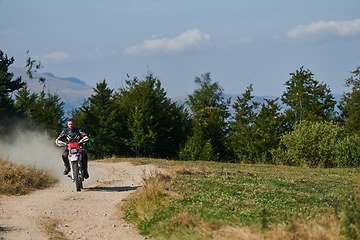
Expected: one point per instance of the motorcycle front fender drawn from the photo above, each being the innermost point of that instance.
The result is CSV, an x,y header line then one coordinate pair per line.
x,y
73,158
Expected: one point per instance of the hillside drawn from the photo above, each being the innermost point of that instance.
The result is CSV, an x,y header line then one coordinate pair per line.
x,y
72,91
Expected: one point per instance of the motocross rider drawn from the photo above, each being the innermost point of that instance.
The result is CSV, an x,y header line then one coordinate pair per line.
x,y
72,131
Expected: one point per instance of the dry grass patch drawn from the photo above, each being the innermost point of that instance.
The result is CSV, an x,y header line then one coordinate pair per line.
x,y
50,227
150,194
326,228
19,179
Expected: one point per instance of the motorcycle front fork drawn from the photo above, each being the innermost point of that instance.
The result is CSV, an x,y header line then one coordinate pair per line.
x,y
81,172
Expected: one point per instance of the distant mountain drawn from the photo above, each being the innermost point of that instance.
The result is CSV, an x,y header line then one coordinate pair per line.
x,y
72,91
70,79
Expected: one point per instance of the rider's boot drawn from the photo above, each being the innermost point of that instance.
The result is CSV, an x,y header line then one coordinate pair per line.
x,y
85,167
86,173
67,168
66,162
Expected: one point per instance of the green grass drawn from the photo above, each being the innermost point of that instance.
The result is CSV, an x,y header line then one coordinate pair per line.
x,y
239,195
209,196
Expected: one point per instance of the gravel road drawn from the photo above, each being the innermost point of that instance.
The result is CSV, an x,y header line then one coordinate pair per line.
x,y
89,214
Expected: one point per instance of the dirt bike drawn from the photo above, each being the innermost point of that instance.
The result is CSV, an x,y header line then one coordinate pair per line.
x,y
76,168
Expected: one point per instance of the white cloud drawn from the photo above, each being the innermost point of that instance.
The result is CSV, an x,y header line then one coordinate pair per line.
x,y
55,56
325,29
184,41
157,36
245,40
95,53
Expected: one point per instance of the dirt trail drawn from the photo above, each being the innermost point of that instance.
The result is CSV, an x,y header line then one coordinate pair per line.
x,y
89,214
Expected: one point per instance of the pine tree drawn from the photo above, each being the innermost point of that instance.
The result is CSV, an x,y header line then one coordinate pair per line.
x,y
142,138
243,131
7,86
210,111
256,128
95,117
270,127
350,103
165,121
43,110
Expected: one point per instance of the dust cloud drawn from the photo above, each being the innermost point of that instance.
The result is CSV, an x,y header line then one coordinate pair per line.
x,y
33,148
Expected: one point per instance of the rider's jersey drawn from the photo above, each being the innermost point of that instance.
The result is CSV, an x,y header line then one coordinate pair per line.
x,y
60,139
73,132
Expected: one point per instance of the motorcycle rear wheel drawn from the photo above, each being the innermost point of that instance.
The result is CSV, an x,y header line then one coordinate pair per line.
x,y
78,182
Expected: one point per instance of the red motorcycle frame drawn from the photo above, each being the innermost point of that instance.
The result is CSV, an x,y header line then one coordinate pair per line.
x,y
75,160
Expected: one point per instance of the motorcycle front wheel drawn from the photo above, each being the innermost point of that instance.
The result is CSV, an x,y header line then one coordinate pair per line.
x,y
78,182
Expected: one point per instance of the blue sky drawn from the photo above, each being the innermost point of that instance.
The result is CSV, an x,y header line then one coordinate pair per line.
x,y
238,42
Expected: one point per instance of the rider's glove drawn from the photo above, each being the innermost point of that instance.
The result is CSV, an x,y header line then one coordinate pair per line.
x,y
60,143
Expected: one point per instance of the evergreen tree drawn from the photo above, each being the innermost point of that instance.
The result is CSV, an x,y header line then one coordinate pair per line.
x,y
142,138
307,99
196,146
163,121
210,112
7,86
25,101
95,118
350,103
42,109
270,127
243,126
256,128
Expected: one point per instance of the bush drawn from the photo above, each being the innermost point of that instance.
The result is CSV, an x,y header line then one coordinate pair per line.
x,y
347,151
311,144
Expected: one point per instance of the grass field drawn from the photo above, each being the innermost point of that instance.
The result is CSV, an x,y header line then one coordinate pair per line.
x,y
205,200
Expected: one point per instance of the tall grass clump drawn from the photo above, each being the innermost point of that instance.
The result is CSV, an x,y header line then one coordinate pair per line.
x,y
144,206
19,179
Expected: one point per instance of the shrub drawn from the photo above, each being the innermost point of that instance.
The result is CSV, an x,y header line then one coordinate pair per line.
x,y
311,144
347,151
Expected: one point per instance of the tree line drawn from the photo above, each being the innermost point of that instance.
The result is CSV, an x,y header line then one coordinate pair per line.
x,y
139,120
